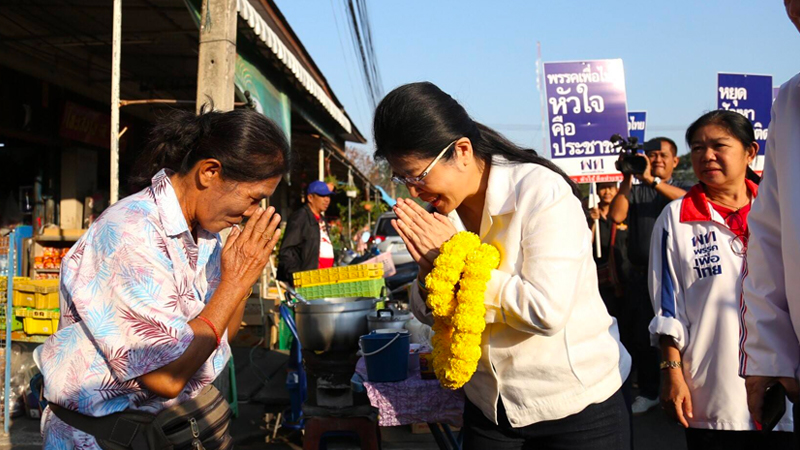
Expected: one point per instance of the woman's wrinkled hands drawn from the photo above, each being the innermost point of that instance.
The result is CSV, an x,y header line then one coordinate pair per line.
x,y
247,250
676,399
423,232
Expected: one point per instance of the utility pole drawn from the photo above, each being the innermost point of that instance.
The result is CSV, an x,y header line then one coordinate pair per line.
x,y
216,66
116,47
216,63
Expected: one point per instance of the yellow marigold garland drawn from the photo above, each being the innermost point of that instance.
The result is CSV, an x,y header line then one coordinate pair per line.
x,y
447,268
459,318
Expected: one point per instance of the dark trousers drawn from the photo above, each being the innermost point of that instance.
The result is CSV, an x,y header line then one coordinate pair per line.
x,y
796,414
634,318
697,439
603,426
612,302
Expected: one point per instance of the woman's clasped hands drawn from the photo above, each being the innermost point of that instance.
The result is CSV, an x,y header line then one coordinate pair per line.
x,y
248,249
423,232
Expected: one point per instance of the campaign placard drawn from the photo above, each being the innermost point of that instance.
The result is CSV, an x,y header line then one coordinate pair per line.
x,y
637,122
750,96
586,105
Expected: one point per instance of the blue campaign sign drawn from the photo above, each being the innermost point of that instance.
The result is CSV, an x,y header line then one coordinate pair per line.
x,y
750,96
637,122
586,106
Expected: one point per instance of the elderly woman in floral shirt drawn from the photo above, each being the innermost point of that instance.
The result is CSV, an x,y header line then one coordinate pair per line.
x,y
149,296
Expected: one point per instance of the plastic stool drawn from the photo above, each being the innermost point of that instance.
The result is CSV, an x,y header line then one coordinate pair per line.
x,y
366,429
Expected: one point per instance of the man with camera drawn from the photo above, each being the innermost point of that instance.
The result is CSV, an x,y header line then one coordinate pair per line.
x,y
640,205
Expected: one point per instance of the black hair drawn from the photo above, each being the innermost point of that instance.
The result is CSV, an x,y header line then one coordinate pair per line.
x,y
735,124
419,119
661,140
249,146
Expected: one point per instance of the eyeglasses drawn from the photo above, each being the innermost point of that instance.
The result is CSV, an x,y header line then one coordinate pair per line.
x,y
417,181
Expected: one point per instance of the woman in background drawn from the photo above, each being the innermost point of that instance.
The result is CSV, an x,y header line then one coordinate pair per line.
x,y
697,259
613,238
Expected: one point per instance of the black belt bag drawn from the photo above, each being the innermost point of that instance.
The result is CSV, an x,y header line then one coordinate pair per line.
x,y
197,424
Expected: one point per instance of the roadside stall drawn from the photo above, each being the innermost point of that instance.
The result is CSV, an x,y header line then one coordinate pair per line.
x,y
353,367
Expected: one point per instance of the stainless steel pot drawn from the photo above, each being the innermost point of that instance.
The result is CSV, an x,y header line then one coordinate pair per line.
x,y
332,323
387,318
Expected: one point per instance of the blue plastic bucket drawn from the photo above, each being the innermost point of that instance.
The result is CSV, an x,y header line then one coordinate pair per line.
x,y
386,355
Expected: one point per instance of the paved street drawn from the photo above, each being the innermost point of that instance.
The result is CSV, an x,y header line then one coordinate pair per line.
x,y
260,379
652,431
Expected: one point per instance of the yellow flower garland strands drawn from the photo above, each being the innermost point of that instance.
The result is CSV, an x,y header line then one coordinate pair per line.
x,y
469,319
441,340
458,325
446,272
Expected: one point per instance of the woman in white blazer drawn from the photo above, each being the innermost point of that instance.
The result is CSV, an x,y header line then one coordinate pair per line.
x,y
697,264
552,366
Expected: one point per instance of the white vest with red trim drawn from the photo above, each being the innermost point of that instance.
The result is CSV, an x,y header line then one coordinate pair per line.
x,y
695,278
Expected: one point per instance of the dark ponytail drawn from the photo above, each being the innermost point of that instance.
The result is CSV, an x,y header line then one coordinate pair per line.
x,y
419,119
249,146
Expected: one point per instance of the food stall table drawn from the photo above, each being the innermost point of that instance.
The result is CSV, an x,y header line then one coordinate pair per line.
x,y
415,400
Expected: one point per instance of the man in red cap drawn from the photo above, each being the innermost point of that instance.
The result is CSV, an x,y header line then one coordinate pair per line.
x,y
306,244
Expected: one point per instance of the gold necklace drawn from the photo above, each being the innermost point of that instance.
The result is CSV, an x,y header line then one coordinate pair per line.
x,y
734,208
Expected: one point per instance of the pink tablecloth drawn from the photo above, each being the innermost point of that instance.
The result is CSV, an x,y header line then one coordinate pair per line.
x,y
413,401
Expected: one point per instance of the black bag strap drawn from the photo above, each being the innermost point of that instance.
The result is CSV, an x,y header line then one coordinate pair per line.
x,y
126,430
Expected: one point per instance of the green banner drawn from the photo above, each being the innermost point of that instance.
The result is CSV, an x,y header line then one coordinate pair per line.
x,y
267,98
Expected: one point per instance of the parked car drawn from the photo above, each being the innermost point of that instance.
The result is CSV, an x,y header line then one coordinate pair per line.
x,y
386,239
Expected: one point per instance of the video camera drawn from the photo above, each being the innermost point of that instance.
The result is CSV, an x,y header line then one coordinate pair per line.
x,y
631,163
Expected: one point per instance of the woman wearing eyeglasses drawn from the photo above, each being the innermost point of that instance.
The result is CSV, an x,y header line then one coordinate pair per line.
x,y
697,263
551,365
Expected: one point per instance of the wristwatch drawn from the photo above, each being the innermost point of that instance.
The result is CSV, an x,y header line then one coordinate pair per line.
x,y
656,181
671,364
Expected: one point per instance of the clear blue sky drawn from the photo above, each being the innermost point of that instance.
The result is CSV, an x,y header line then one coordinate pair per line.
x,y
484,52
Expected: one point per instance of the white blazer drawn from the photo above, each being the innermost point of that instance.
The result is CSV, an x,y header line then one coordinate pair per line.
x,y
550,347
771,301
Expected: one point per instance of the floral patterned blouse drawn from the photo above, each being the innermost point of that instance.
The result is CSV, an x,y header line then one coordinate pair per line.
x,y
129,287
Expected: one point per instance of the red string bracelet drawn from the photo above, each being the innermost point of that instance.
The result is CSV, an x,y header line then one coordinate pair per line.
x,y
213,328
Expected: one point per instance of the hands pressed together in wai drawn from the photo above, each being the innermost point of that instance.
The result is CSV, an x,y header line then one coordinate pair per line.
x,y
423,232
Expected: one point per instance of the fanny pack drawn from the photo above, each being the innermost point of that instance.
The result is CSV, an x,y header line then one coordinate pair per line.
x,y
196,424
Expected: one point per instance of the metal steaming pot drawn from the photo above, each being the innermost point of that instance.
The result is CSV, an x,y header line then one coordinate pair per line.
x,y
387,319
332,323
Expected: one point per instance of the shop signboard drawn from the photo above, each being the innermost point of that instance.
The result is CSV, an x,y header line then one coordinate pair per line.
x,y
86,125
586,105
89,126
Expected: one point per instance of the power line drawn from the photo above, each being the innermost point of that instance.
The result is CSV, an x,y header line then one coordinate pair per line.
x,y
358,98
361,34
